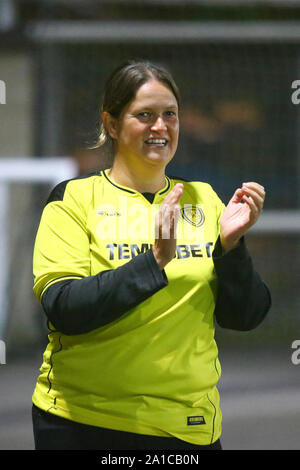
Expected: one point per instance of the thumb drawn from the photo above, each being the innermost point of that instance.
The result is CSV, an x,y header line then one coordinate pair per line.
x,y
238,195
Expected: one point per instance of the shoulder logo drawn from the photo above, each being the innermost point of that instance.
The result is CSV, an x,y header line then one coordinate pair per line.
x,y
193,214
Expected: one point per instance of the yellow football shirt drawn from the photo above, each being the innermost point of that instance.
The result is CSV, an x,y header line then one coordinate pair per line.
x,y
154,370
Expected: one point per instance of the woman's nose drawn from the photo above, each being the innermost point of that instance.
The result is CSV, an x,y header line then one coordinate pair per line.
x,y
159,124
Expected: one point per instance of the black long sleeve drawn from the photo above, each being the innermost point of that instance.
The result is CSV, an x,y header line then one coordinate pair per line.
x,y
78,306
243,298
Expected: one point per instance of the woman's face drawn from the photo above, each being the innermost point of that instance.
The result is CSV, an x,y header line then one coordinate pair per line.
x,y
148,128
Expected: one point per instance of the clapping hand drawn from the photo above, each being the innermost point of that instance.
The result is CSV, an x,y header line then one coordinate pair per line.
x,y
241,213
166,227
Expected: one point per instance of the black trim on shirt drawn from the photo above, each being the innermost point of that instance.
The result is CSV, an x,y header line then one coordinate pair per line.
x,y
182,179
149,196
58,192
167,188
114,184
133,192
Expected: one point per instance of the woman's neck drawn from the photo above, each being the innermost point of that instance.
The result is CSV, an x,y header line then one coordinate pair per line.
x,y
143,180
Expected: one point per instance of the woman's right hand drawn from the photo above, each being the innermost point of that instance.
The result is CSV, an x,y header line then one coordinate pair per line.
x,y
166,227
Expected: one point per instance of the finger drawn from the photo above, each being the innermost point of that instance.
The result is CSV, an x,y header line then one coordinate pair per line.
x,y
238,195
174,195
256,197
177,193
255,187
169,212
167,225
253,192
254,184
254,210
170,219
158,225
173,222
166,222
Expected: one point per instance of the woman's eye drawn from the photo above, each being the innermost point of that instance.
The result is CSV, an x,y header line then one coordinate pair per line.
x,y
150,115
144,114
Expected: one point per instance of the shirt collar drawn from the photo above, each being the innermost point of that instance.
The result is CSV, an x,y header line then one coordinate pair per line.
x,y
133,192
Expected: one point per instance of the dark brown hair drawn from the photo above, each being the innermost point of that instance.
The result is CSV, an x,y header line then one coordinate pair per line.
x,y
123,84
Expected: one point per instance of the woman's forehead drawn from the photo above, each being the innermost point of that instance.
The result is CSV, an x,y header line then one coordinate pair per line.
x,y
154,92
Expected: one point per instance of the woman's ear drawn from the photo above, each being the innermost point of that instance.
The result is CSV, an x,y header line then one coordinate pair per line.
x,y
110,124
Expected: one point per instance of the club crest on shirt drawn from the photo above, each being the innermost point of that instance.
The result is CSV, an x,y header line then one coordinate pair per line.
x,y
193,214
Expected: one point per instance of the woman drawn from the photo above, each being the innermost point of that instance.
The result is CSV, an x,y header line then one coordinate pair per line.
x,y
132,361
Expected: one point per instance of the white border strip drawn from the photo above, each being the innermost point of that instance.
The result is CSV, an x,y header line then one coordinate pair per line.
x,y
162,31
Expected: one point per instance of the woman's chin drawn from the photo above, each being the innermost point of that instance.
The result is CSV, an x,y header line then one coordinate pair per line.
x,y
158,157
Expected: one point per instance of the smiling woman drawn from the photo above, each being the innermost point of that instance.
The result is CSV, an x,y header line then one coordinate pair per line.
x,y
140,120
132,361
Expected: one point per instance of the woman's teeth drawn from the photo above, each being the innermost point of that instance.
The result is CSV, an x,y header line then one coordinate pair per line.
x,y
160,142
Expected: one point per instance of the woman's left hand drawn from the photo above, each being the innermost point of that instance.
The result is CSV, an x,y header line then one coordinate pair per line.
x,y
241,213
